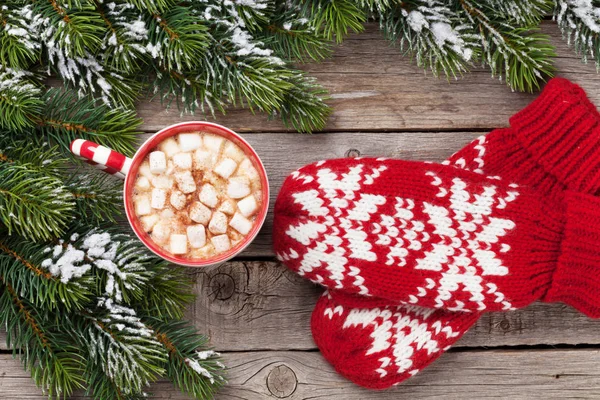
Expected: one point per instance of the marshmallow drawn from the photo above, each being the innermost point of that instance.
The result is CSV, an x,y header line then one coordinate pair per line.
x,y
213,143
142,183
149,221
162,182
144,170
200,213
221,243
169,146
185,181
196,236
238,187
204,252
178,199
183,160
167,214
170,168
178,244
205,159
240,224
234,152
158,198
247,206
161,232
208,195
142,205
247,169
158,162
227,207
218,223
225,168
189,141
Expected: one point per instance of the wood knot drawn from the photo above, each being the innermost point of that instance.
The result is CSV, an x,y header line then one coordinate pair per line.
x,y
221,286
282,381
353,153
505,325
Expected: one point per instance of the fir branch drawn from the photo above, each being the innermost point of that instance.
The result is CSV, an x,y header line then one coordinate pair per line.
x,y
334,19
86,75
67,117
579,22
19,44
23,266
304,107
168,292
19,99
522,54
124,44
176,38
32,203
55,365
152,5
34,153
528,13
293,39
190,91
98,196
117,341
75,31
432,33
120,265
191,367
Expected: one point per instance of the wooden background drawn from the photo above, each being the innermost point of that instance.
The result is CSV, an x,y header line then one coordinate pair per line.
x,y
257,313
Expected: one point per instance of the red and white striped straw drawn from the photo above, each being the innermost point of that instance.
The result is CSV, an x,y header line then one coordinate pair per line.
x,y
101,157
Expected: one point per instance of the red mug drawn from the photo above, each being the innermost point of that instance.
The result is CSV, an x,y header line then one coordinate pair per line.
x,y
126,168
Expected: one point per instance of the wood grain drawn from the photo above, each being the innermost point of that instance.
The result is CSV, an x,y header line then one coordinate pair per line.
x,y
263,306
374,87
500,374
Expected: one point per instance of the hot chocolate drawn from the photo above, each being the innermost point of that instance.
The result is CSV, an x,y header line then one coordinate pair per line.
x,y
197,195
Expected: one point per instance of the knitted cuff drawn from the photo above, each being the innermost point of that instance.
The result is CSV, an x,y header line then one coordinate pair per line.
x,y
561,130
576,280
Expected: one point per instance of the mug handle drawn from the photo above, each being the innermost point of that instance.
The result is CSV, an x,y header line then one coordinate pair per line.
x,y
101,157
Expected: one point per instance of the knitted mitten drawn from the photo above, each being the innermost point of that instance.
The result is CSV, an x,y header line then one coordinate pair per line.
x,y
360,342
437,236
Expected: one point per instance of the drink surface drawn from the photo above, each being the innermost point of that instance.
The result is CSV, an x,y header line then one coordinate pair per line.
x,y
197,194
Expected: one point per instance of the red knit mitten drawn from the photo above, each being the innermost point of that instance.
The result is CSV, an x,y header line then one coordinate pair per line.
x,y
434,235
347,337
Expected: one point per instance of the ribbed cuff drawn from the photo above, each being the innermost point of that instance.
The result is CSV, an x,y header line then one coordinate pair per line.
x,y
576,280
561,130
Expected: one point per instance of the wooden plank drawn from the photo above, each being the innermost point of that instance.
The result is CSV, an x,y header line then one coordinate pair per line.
x,y
374,87
263,306
538,374
275,149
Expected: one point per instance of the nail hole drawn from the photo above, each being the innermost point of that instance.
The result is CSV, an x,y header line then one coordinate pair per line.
x,y
353,153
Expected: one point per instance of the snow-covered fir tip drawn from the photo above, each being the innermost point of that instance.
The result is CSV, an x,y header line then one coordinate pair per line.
x,y
86,74
22,24
226,13
122,343
437,18
129,32
194,364
579,21
66,262
17,81
575,12
117,255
